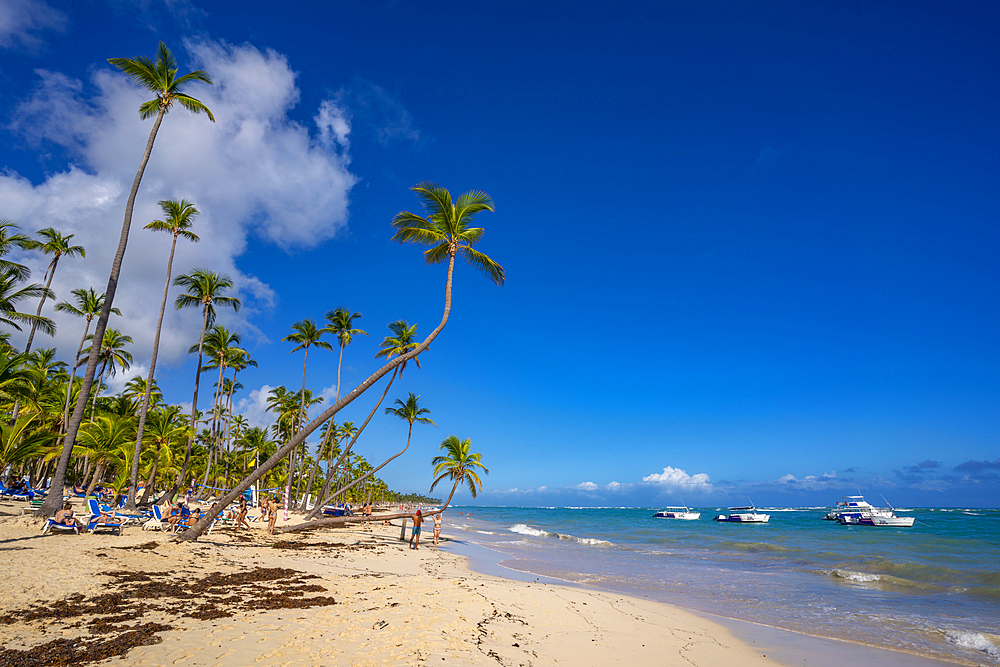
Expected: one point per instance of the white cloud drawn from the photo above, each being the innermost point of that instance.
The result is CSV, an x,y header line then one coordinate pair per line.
x,y
21,19
253,406
810,482
382,114
116,384
613,486
253,171
587,486
675,478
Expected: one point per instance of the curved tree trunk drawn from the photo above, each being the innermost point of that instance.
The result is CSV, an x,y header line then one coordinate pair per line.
x,y
198,528
54,500
361,479
96,478
72,376
152,477
130,504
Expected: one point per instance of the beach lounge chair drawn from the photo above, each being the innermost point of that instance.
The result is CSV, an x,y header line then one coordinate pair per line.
x,y
52,524
4,491
103,518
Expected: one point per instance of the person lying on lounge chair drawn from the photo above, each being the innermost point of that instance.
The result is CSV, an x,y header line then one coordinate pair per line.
x,y
65,516
174,518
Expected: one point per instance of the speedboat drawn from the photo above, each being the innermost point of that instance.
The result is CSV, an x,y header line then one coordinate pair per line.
x,y
678,513
875,516
744,515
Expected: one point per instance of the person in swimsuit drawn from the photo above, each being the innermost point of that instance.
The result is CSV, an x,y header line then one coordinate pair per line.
x,y
437,528
241,520
65,516
274,517
417,520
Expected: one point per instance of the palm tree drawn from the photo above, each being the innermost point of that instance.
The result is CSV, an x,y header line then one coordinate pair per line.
x,y
160,78
204,289
11,294
88,306
178,217
447,229
220,344
306,335
112,355
341,325
459,464
166,427
55,244
11,240
103,440
410,412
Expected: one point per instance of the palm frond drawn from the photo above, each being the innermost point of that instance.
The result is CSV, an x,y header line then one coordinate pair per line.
x,y
193,105
484,264
437,254
437,200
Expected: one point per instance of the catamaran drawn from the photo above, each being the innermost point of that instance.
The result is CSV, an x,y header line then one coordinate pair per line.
x,y
678,513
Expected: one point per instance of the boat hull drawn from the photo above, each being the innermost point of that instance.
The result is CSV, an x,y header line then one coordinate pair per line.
x,y
684,516
743,518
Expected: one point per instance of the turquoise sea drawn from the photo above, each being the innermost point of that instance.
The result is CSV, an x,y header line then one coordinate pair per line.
x,y
933,589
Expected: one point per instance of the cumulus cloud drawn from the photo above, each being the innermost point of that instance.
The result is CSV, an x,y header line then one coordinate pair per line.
x,y
254,171
675,478
21,20
587,486
253,406
811,482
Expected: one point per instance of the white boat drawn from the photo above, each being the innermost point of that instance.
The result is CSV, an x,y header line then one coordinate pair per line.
x,y
678,513
744,515
854,511
853,505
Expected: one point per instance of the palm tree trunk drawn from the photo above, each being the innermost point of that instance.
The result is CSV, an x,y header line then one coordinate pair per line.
x,y
372,472
41,302
450,495
194,412
326,487
72,376
54,500
196,530
152,476
149,384
96,478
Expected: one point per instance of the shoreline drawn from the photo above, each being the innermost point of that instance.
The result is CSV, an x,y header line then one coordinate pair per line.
x,y
790,646
346,596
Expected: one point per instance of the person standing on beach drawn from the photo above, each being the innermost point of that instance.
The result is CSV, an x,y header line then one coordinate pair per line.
x,y
274,517
241,519
437,528
417,520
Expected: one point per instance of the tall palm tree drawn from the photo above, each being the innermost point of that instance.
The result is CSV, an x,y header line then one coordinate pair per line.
x,y
341,325
220,344
178,218
446,228
206,290
55,244
460,465
88,306
160,78
112,355
306,335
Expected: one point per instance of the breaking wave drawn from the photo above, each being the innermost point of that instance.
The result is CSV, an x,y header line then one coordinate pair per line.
x,y
524,529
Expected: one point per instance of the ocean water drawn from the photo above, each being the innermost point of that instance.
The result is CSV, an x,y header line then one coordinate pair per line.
x,y
933,589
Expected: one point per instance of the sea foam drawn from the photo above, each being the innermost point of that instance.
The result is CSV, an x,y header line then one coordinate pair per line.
x,y
974,641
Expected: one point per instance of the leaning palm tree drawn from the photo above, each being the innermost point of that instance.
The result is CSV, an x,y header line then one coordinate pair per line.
x,y
206,290
447,228
459,464
160,78
88,306
55,244
341,325
178,217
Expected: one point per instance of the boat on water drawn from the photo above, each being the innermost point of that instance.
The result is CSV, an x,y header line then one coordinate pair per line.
x,y
854,505
678,513
744,515
874,516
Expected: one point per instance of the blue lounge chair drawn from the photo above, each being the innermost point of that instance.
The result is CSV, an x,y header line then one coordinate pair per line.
x,y
51,523
101,517
4,491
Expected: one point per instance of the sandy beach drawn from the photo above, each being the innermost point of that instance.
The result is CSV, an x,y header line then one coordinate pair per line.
x,y
343,596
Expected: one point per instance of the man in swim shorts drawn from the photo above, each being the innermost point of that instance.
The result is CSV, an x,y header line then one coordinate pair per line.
x,y
417,520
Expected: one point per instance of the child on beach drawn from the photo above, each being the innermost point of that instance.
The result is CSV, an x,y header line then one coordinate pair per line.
x,y
437,528
417,520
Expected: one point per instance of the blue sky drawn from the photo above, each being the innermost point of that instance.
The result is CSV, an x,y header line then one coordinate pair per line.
x,y
750,249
